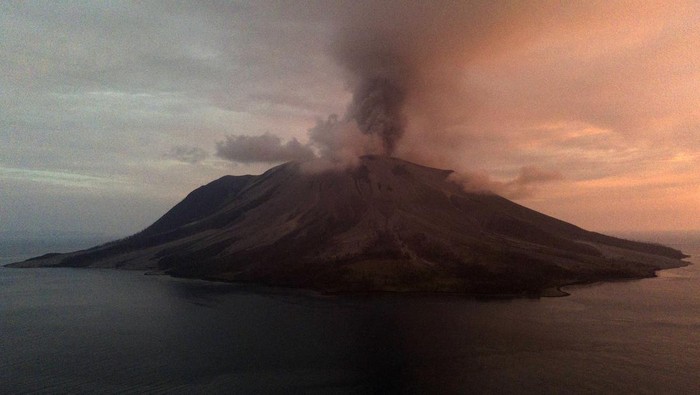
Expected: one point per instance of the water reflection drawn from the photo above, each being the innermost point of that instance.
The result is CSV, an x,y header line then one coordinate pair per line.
x,y
72,330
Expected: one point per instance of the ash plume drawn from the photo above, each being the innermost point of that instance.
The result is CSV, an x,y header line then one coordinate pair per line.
x,y
376,108
402,63
406,64
522,186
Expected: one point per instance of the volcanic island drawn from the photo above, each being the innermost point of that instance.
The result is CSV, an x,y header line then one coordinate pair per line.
x,y
384,224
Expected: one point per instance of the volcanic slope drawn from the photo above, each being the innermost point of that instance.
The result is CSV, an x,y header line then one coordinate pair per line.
x,y
383,225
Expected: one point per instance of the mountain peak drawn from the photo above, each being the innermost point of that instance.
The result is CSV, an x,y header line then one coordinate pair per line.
x,y
381,224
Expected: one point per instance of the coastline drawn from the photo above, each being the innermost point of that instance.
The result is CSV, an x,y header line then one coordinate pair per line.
x,y
53,260
557,291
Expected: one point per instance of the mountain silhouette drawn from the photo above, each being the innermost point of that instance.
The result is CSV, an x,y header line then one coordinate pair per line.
x,y
383,225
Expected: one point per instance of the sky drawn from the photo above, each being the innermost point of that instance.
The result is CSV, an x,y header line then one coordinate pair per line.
x,y
111,112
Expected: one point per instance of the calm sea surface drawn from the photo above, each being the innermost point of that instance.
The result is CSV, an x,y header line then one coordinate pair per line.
x,y
85,330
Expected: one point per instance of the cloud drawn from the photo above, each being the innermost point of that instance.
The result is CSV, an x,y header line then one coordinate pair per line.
x,y
263,148
525,184
187,154
343,140
57,178
338,144
522,186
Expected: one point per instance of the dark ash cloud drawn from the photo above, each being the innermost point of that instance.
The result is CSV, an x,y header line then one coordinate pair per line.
x,y
404,61
376,108
339,143
264,148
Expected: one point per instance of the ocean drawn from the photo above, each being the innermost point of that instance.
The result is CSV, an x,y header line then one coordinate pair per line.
x,y
89,330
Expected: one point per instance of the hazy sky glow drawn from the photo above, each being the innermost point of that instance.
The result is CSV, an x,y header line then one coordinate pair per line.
x,y
111,112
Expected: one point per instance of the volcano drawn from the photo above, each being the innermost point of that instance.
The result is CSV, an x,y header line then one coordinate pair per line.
x,y
383,225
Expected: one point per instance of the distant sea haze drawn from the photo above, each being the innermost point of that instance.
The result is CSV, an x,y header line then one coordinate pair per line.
x,y
21,246
93,330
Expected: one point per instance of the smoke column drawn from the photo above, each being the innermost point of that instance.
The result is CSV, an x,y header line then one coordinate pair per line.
x,y
405,62
376,108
